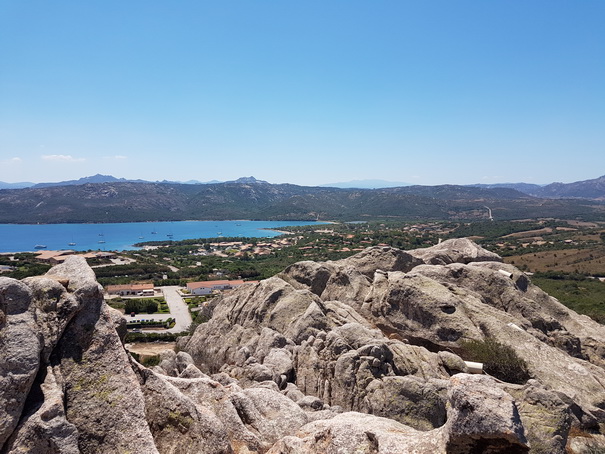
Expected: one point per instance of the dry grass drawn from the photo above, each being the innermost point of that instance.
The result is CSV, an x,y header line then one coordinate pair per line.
x,y
588,261
150,348
529,233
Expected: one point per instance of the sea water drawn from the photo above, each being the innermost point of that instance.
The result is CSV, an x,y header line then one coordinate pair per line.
x,y
123,236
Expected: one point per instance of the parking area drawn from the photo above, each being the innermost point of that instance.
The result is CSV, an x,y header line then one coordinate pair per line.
x,y
178,311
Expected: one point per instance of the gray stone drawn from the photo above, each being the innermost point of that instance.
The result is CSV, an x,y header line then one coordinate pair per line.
x,y
481,418
46,430
310,403
380,333
457,250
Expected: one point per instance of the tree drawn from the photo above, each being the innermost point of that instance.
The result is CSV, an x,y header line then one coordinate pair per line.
x,y
151,306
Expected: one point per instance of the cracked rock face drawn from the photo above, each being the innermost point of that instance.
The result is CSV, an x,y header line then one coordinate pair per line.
x,y
358,355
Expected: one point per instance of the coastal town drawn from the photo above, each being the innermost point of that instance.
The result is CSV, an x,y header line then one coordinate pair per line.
x,y
201,269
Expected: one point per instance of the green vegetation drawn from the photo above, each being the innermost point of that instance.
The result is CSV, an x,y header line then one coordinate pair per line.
x,y
147,361
149,305
150,323
25,265
579,293
133,202
498,360
153,337
574,249
124,274
198,259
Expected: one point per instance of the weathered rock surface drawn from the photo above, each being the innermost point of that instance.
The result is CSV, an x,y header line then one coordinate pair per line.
x,y
364,354
481,418
458,250
384,337
86,397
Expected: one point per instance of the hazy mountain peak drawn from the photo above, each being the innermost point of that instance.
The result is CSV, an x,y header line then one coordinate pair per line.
x,y
248,180
98,178
20,185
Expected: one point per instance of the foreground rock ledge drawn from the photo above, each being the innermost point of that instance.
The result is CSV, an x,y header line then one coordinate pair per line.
x,y
358,355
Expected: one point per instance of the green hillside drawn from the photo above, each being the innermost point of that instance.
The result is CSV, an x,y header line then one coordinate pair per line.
x,y
132,201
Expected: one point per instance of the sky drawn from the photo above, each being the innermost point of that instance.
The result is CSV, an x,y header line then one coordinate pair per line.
x,y
305,92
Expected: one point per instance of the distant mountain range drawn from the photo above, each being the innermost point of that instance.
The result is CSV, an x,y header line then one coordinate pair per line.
x,y
588,189
249,198
98,178
21,185
526,188
365,184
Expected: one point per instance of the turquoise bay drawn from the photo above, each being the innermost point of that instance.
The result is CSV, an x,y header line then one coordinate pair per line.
x,y
122,236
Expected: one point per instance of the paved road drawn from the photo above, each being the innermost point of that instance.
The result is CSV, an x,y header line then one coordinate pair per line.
x,y
178,311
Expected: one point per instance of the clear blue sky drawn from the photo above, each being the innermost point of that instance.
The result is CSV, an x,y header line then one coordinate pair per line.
x,y
306,92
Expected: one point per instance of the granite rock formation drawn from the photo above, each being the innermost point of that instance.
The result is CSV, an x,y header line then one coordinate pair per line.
x,y
365,354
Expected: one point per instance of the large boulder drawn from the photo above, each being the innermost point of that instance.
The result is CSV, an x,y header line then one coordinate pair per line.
x,y
382,332
366,354
481,418
457,250
66,369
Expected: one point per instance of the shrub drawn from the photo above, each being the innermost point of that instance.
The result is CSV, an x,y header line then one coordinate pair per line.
x,y
498,360
153,337
151,361
151,306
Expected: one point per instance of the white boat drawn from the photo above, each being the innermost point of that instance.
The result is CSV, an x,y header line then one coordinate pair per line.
x,y
40,246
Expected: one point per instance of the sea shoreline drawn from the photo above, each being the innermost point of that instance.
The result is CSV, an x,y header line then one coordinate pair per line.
x,y
123,236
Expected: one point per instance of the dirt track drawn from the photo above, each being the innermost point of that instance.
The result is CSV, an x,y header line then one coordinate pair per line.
x,y
150,348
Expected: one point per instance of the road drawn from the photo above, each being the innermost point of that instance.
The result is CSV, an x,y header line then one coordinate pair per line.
x,y
178,311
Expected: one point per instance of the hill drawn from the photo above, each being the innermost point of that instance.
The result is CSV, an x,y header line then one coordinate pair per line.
x,y
381,352
132,201
98,178
21,185
587,189
593,189
526,188
365,184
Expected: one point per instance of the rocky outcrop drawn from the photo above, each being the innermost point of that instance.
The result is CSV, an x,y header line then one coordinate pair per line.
x,y
384,337
481,418
365,354
457,250
66,373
